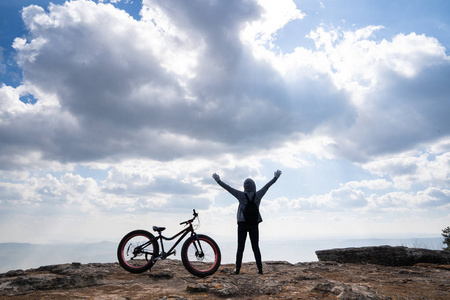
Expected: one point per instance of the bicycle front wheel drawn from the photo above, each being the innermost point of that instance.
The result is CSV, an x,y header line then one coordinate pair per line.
x,y
200,255
136,251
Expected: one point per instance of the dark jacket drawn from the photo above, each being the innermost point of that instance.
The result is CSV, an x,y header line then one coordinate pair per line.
x,y
250,189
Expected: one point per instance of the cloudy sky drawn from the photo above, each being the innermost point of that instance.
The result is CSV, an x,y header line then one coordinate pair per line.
x,y
114,115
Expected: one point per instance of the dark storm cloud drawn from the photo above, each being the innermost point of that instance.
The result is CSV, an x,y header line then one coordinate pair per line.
x,y
124,103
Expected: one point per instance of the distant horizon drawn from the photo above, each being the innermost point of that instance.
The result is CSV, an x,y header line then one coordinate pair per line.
x,y
291,251
232,239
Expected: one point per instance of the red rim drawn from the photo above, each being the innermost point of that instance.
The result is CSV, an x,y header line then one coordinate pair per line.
x,y
121,252
215,256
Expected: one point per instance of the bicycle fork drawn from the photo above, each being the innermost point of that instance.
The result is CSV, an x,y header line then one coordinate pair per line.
x,y
198,248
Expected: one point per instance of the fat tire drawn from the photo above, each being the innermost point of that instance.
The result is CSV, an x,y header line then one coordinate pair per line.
x,y
121,249
187,264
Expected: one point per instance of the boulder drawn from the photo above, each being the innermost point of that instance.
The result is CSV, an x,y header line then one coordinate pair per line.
x,y
384,255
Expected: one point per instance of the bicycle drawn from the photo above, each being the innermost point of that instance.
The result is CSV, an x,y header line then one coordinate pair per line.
x,y
138,251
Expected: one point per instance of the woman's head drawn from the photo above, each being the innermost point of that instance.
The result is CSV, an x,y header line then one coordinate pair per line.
x,y
249,185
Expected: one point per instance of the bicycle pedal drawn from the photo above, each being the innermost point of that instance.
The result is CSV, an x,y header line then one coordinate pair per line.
x,y
157,258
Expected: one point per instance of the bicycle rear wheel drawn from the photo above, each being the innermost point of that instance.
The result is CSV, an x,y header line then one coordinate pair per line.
x,y
200,255
136,251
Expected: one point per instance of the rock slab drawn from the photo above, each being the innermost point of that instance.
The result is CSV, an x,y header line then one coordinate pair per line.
x,y
385,256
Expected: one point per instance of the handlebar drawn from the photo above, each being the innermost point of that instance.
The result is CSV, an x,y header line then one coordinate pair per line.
x,y
191,220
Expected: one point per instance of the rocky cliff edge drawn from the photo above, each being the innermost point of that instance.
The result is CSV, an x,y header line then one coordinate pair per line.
x,y
282,280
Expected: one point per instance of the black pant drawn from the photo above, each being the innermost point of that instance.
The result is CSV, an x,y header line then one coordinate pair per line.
x,y
253,231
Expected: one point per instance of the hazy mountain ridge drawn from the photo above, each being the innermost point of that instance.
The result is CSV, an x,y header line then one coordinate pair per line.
x,y
25,256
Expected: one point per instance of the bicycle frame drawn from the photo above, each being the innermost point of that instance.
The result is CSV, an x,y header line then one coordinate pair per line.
x,y
183,234
160,237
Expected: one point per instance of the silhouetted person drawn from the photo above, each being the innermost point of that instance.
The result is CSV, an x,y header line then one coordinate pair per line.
x,y
245,226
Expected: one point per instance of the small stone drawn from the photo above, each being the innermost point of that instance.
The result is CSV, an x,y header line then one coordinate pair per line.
x,y
197,288
164,274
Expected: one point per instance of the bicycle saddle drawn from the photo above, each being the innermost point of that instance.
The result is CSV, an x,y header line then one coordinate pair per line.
x,y
158,229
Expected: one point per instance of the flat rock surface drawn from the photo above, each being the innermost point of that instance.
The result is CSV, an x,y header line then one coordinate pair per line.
x,y
169,280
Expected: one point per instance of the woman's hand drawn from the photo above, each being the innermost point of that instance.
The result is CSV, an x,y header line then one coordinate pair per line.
x,y
276,174
216,177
